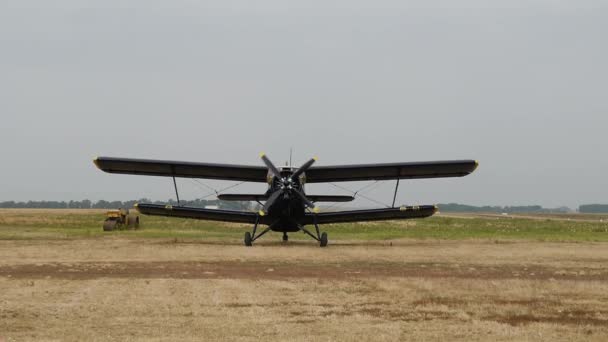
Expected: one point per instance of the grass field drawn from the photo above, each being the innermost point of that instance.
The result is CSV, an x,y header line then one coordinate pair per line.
x,y
27,224
466,278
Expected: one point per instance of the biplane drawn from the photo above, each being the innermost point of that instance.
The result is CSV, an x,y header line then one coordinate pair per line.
x,y
285,206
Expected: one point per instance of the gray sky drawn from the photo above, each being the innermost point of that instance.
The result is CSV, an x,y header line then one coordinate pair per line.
x,y
519,85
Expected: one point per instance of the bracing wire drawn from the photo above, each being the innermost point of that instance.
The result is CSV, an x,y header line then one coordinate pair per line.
x,y
207,195
356,193
367,187
205,185
230,187
375,201
198,183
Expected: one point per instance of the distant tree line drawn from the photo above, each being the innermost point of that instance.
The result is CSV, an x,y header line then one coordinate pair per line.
x,y
593,208
103,204
201,203
463,208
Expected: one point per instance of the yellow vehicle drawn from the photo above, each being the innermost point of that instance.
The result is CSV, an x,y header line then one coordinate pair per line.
x,y
121,218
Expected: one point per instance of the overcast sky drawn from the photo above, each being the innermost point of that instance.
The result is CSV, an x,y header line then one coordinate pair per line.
x,y
522,86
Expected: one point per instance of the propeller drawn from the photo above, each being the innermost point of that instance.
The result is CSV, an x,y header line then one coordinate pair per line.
x,y
270,165
286,184
307,201
275,195
303,169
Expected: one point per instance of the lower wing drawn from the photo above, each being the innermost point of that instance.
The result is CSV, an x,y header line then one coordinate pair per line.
x,y
372,215
310,218
198,213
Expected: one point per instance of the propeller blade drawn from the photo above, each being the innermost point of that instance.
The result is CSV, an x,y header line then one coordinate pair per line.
x,y
273,198
303,169
306,201
270,165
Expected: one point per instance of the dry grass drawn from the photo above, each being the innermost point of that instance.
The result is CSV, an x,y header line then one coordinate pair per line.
x,y
126,289
307,309
479,279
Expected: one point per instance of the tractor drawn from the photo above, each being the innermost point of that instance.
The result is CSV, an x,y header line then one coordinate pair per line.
x,y
119,219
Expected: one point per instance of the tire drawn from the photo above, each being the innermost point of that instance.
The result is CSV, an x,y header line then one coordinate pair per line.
x,y
323,242
133,222
109,225
248,241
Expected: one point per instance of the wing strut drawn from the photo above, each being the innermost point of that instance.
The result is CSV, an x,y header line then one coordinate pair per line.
x,y
395,195
176,193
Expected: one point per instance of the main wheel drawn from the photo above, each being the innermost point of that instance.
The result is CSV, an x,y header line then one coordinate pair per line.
x,y
133,222
109,225
323,242
285,237
248,241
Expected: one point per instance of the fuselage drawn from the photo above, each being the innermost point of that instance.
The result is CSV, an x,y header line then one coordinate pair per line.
x,y
288,210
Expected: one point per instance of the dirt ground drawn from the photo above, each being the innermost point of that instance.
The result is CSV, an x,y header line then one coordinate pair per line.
x,y
133,289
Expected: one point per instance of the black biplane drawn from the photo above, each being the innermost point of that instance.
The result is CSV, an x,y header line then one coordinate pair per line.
x,y
287,208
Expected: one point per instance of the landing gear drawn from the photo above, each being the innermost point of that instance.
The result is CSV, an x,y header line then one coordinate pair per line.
x,y
321,237
250,237
248,240
323,240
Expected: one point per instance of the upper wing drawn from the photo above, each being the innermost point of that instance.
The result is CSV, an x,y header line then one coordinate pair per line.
x,y
364,172
198,213
371,215
181,169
